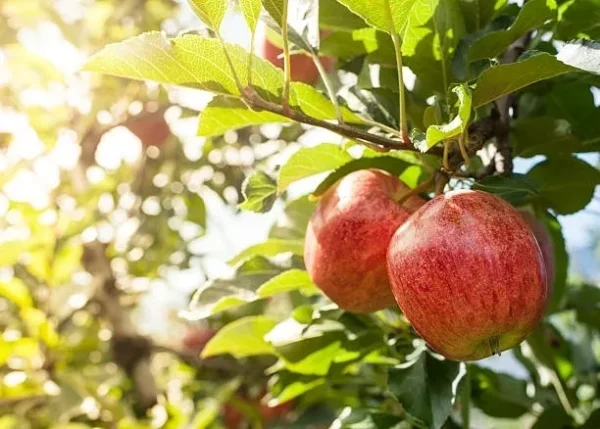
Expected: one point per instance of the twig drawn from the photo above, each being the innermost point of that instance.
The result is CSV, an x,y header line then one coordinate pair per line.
x,y
255,102
503,157
425,186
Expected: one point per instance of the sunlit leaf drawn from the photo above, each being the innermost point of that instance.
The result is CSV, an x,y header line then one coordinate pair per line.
x,y
259,191
310,161
533,14
241,338
453,129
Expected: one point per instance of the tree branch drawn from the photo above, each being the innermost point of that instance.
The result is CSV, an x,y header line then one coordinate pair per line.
x,y
503,158
255,102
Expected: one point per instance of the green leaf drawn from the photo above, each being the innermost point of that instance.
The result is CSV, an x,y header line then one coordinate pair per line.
x,y
210,12
498,81
251,12
429,41
271,247
561,261
196,209
566,184
553,418
16,292
424,388
533,14
225,113
391,164
552,350
584,299
307,349
219,295
335,16
291,385
364,41
390,16
242,338
199,62
288,281
543,135
583,54
294,220
260,192
478,13
517,189
499,395
579,19
309,162
453,129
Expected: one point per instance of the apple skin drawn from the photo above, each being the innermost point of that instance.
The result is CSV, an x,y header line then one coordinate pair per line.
x,y
152,130
348,235
467,272
303,68
195,339
542,235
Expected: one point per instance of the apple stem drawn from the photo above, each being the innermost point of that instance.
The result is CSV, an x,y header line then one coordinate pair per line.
x,y
286,58
494,343
425,186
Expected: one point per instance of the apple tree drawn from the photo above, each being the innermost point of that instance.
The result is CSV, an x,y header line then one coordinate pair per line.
x,y
115,171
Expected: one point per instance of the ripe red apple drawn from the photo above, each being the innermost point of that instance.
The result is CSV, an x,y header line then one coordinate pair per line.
x,y
468,274
196,338
152,130
348,235
303,68
542,235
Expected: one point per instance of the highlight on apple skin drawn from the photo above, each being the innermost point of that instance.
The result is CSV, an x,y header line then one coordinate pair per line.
x,y
468,274
348,235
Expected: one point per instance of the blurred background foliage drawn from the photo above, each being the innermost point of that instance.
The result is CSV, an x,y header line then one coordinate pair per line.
x,y
113,212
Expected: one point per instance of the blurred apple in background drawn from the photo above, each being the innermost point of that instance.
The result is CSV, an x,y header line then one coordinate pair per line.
x,y
152,129
302,65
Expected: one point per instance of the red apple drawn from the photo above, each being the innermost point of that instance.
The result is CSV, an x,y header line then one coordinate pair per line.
x,y
542,235
348,235
270,414
196,338
303,68
152,130
468,274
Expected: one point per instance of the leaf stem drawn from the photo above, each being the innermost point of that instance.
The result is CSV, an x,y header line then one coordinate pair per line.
x,y
229,62
287,72
328,86
461,145
402,96
465,399
445,162
250,57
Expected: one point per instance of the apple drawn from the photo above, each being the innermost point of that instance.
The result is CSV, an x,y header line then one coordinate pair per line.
x,y
152,130
542,235
348,235
303,68
196,338
467,272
